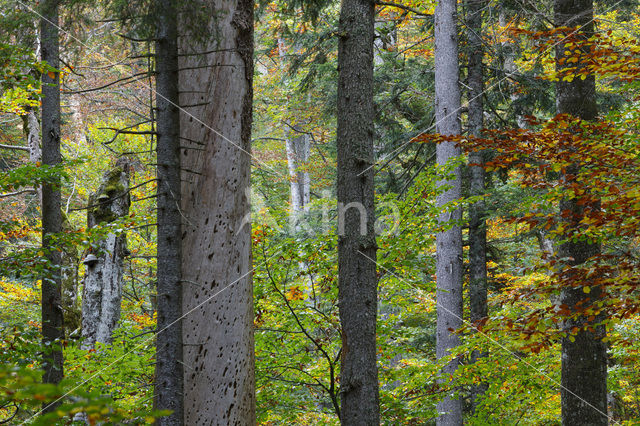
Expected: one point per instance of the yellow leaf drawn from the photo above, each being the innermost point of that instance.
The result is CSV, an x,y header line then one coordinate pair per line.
x,y
294,294
586,289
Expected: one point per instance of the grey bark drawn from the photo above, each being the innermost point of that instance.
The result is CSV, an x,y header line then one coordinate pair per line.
x,y
32,134
76,122
30,121
31,129
584,360
169,377
298,147
52,320
357,279
219,384
102,290
449,242
477,224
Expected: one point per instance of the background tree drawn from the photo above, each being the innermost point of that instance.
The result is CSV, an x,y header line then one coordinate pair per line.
x,y
478,308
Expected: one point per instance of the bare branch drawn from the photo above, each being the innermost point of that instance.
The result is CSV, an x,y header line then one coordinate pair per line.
x,y
128,79
15,147
22,191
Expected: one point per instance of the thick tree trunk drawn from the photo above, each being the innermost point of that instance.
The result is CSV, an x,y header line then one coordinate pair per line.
x,y
448,243
102,294
169,381
477,225
584,360
356,241
219,384
52,320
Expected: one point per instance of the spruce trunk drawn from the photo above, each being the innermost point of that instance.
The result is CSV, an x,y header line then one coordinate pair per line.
x,y
584,356
477,224
169,381
449,241
52,319
357,279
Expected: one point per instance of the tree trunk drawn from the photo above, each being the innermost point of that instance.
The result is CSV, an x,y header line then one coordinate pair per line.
x,y
32,133
169,382
219,384
357,279
584,360
52,321
449,242
477,225
102,294
298,147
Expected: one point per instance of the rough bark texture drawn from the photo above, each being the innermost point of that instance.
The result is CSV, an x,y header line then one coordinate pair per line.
x,y
52,320
356,249
102,294
584,360
217,288
477,224
168,391
448,243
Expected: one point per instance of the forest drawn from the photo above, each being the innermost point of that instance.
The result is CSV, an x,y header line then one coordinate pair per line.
x,y
319,212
